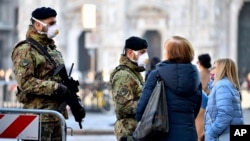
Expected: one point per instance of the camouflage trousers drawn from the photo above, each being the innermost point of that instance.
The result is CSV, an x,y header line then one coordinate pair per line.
x,y
124,127
51,131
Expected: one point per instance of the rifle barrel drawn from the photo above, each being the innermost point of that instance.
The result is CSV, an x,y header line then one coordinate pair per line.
x,y
70,71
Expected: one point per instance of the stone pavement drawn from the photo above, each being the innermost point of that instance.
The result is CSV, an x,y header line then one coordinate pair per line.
x,y
82,138
93,124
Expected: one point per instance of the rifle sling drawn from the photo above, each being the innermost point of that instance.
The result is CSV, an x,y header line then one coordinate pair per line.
x,y
124,67
41,48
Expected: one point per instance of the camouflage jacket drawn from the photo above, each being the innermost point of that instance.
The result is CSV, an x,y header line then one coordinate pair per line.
x,y
126,82
34,74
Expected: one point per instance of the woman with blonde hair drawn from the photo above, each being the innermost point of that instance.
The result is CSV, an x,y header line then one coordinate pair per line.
x,y
182,89
224,105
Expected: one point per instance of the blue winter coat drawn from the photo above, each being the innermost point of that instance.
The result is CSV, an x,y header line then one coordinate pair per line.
x,y
183,93
223,109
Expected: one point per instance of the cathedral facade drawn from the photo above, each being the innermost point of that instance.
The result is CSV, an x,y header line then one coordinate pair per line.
x,y
217,27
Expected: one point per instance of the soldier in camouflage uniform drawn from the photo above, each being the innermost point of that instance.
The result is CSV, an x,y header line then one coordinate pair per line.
x,y
127,82
38,88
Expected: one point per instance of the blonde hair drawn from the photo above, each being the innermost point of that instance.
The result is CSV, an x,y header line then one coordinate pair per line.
x,y
227,67
178,49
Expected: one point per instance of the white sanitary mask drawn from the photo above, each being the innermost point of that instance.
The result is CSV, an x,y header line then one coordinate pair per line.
x,y
143,60
52,30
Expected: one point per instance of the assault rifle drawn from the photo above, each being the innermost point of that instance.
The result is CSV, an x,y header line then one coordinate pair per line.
x,y
72,98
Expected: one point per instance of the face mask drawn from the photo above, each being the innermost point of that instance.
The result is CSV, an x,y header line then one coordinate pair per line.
x,y
143,60
52,30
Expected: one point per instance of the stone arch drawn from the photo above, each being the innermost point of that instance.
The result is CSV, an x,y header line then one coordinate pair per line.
x,y
151,22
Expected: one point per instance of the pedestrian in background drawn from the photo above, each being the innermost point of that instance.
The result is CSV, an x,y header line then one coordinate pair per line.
x,y
152,66
224,105
126,83
203,64
183,90
37,87
199,121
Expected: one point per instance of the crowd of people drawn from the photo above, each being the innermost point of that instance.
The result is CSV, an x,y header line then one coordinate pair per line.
x,y
202,102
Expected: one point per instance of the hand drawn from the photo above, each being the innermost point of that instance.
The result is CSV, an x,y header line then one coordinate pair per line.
x,y
62,90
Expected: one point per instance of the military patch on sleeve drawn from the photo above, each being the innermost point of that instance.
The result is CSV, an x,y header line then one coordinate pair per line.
x,y
24,62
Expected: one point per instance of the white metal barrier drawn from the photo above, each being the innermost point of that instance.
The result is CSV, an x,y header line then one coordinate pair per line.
x,y
25,117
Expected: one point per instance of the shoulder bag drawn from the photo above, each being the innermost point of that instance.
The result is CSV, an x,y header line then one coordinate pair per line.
x,y
154,122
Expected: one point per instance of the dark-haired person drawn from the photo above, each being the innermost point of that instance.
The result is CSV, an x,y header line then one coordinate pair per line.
x,y
203,64
126,83
152,66
38,88
183,90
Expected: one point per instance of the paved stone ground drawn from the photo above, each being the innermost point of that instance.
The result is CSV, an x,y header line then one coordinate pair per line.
x,y
94,123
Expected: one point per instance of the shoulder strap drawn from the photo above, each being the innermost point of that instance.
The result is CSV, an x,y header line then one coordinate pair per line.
x,y
41,48
19,43
158,76
124,67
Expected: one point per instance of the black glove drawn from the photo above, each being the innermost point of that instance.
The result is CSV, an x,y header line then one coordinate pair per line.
x,y
127,138
123,138
62,90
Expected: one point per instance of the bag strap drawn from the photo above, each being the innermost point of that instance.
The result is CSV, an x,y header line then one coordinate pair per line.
x,y
41,48
158,76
